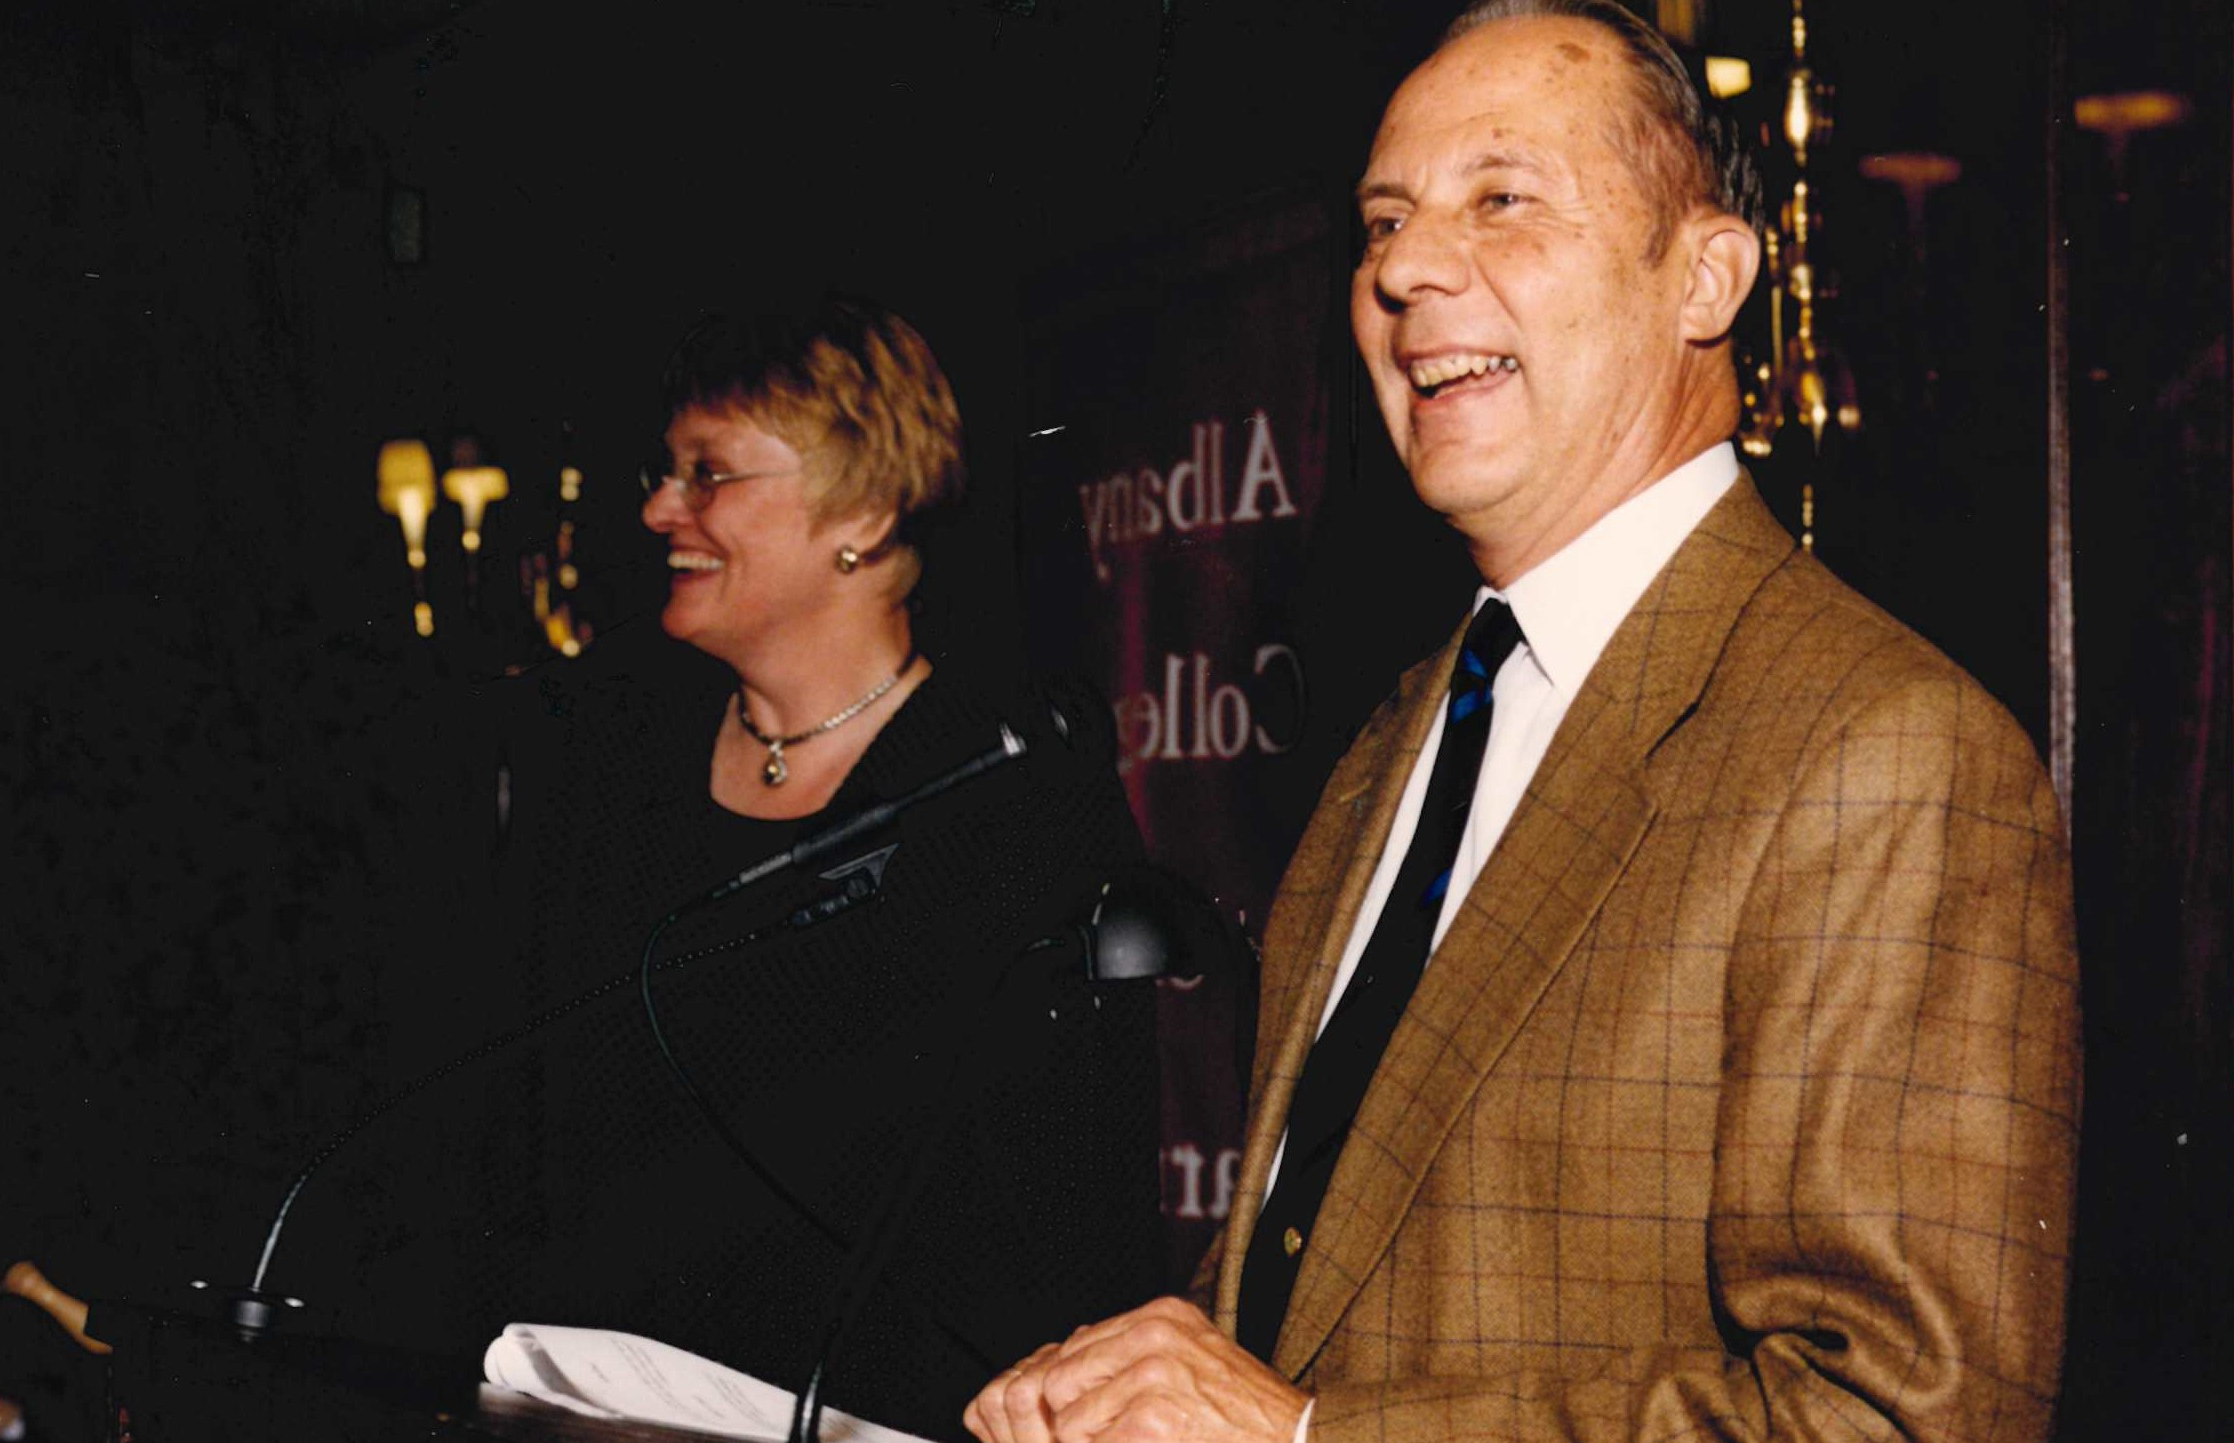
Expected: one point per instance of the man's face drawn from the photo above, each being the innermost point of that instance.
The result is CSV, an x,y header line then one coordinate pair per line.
x,y
1527,355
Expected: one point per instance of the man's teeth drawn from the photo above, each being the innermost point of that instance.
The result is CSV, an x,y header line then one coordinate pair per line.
x,y
693,561
1442,370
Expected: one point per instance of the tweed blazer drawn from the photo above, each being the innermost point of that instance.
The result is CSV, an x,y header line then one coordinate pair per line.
x,y
1740,1099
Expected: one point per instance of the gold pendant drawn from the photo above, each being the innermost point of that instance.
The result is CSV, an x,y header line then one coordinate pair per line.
x,y
776,772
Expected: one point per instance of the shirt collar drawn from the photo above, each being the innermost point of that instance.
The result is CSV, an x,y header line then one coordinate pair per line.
x,y
1570,604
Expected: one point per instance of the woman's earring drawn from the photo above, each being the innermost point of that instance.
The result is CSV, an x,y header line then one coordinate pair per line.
x,y
848,559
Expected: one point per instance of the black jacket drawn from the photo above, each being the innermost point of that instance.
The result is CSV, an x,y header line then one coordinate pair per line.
x,y
569,1179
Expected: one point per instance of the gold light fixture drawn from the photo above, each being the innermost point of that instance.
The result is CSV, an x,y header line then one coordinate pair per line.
x,y
2130,111
474,488
1728,76
1805,119
551,580
405,473
2120,116
570,491
1801,378
1679,20
1804,378
1917,173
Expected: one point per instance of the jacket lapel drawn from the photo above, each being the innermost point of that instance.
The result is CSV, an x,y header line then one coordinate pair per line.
x,y
1312,924
1585,812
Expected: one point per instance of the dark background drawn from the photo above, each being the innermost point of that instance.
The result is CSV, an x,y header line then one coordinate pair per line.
x,y
204,632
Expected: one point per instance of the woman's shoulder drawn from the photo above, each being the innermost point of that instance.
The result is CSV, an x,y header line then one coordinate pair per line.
x,y
1017,813
633,683
1045,711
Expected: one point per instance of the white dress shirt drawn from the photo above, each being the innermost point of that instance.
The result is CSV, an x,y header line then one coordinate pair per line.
x,y
1569,607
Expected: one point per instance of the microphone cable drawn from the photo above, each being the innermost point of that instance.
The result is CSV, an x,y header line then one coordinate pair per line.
x,y
455,1065
1010,747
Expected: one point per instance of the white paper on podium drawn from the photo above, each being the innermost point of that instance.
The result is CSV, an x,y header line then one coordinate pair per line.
x,y
619,1375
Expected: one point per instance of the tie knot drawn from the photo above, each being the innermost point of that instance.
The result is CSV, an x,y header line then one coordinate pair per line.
x,y
1490,639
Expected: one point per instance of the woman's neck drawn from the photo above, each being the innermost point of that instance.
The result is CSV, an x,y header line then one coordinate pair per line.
x,y
757,775
796,686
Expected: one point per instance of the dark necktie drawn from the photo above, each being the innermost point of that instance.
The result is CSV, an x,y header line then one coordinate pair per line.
x,y
1342,1060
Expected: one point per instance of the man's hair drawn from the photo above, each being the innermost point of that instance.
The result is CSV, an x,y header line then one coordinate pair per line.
x,y
852,388
1683,154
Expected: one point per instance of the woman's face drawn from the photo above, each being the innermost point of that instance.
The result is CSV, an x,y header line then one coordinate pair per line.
x,y
752,563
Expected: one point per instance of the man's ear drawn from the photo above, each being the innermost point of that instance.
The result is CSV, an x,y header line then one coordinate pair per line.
x,y
1725,258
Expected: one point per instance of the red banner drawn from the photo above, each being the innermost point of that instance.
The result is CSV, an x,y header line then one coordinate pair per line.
x,y
1178,451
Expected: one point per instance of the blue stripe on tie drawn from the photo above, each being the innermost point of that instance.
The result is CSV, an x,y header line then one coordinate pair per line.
x,y
1464,704
1436,888
1472,663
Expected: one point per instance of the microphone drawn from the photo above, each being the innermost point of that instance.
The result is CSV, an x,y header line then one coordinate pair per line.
x,y
253,1312
868,820
857,880
1144,923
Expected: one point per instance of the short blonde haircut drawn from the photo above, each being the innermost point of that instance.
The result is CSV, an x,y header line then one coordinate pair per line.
x,y
854,390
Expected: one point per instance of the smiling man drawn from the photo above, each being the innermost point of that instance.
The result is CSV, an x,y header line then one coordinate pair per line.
x,y
1669,1017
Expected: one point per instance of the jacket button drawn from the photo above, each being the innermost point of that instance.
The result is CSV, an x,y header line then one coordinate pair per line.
x,y
1291,1242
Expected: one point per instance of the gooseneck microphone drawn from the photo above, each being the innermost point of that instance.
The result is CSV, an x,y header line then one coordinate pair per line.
x,y
823,843
253,1311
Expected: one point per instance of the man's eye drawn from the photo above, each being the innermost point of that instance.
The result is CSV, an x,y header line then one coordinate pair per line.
x,y
1498,200
1379,228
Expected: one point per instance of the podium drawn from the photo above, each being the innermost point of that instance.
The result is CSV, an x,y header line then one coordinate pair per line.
x,y
173,1378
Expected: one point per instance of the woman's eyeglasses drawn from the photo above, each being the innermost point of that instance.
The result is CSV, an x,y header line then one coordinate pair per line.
x,y
698,488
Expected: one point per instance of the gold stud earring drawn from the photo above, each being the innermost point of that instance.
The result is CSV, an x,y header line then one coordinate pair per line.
x,y
848,559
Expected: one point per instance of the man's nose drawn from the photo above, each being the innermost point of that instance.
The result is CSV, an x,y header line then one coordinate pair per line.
x,y
1426,256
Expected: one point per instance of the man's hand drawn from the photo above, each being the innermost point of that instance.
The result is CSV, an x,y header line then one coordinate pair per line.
x,y
1159,1372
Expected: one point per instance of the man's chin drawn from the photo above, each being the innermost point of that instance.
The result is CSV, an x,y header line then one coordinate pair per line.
x,y
1458,482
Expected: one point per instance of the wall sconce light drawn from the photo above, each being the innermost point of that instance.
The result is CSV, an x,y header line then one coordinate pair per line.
x,y
406,490
1917,173
473,488
2129,111
2118,117
550,578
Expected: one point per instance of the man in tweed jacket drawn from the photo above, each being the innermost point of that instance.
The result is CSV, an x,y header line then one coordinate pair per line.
x,y
1738,1096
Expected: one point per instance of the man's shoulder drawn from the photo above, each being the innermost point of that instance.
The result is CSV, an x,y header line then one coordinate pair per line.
x,y
1808,645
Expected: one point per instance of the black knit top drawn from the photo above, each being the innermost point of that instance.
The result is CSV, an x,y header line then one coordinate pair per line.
x,y
588,1191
